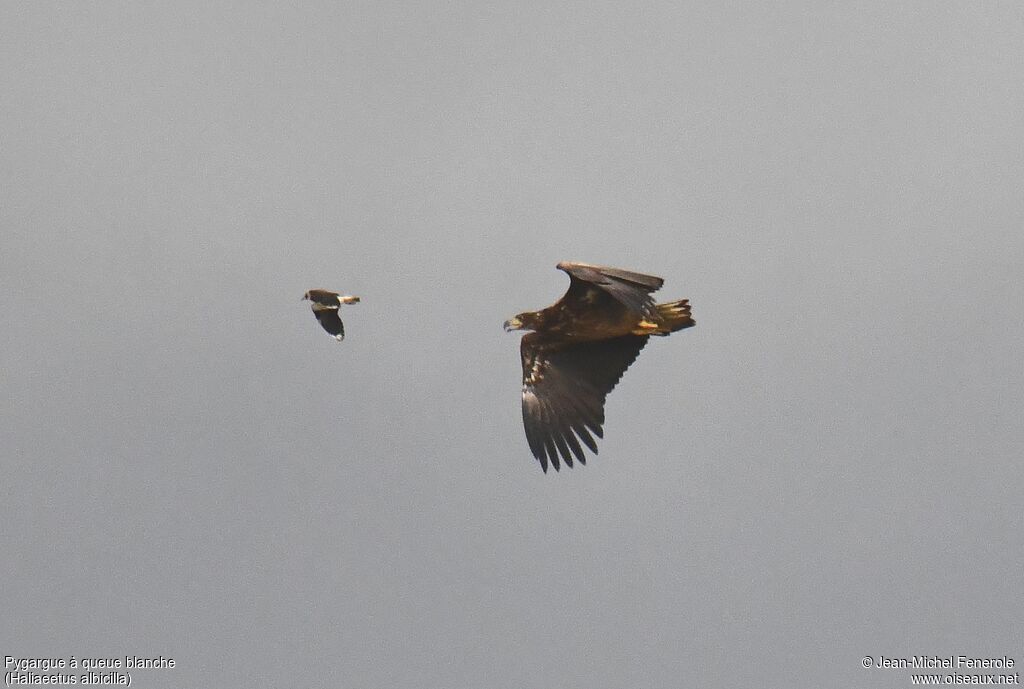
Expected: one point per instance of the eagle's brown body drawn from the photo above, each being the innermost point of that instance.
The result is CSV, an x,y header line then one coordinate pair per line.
x,y
578,351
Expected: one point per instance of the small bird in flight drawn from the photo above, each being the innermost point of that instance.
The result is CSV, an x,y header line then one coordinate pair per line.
x,y
578,351
325,307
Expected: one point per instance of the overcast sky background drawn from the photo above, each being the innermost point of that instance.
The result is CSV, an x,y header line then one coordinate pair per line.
x,y
828,466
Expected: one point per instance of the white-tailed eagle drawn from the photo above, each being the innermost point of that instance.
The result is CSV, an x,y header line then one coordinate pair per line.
x,y
578,351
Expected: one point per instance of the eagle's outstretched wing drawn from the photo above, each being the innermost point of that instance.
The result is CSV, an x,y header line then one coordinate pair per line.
x,y
564,389
590,283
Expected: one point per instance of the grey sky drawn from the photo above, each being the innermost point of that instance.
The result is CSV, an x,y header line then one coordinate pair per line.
x,y
826,467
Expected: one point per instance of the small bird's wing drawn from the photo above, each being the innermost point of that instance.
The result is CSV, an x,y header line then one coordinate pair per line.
x,y
329,320
589,283
564,389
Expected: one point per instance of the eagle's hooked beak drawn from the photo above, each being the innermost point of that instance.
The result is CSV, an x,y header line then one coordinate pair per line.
x,y
513,324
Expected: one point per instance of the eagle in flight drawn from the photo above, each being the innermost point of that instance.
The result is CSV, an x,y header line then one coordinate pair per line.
x,y
325,307
578,351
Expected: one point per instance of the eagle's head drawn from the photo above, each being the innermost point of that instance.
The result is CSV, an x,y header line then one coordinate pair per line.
x,y
523,321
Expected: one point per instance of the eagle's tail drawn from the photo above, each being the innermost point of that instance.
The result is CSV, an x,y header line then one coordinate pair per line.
x,y
675,315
